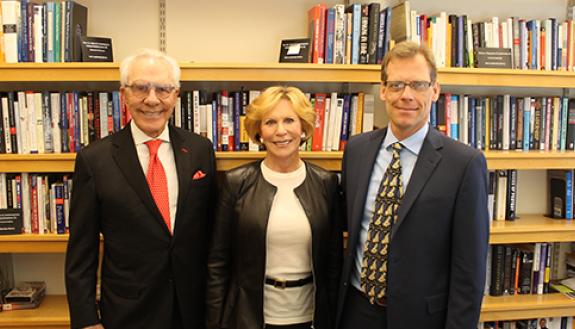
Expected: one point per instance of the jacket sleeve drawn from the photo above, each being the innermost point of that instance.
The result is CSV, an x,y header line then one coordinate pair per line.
x,y
220,257
336,243
470,234
83,247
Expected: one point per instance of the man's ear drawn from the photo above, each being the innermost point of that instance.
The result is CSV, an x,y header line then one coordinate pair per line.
x,y
436,88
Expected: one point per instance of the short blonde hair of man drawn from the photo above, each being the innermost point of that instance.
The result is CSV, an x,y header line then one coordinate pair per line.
x,y
126,64
409,49
268,100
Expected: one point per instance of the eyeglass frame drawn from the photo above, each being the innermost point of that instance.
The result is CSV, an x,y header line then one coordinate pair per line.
x,y
169,89
412,84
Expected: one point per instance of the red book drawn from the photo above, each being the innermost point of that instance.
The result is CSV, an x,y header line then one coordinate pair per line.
x,y
317,138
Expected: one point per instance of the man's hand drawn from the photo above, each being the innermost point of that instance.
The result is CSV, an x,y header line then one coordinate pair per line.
x,y
97,326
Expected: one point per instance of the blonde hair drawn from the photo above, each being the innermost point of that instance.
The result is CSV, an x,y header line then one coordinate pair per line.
x,y
409,49
269,99
126,64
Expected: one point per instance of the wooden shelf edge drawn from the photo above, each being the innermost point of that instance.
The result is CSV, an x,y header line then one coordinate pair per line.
x,y
526,307
532,228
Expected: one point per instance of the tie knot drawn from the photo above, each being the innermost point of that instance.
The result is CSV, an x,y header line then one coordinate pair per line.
x,y
153,146
397,146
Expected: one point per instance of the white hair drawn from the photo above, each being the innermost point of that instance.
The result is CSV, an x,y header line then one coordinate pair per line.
x,y
152,54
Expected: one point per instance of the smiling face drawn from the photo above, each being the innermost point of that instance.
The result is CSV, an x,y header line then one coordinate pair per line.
x,y
281,131
150,112
408,109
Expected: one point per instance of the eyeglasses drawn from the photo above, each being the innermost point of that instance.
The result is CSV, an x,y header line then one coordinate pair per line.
x,y
142,89
397,86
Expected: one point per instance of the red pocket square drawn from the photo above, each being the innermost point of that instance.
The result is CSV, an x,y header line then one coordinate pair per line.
x,y
198,175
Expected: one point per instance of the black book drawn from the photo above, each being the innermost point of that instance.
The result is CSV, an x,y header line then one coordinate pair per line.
x,y
507,272
525,268
570,140
373,33
511,204
497,270
454,40
12,122
75,27
512,123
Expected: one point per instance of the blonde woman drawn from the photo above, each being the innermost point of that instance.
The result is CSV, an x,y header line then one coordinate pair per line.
x,y
276,250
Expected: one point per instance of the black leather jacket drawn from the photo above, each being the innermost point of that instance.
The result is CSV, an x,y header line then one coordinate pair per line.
x,y
236,265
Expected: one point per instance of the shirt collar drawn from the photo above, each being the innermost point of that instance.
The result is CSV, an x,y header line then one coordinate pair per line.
x,y
140,137
413,143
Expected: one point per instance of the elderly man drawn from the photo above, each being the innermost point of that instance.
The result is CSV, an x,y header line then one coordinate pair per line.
x,y
150,191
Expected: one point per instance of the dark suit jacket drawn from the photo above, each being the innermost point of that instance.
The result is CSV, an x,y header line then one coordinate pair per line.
x,y
438,247
143,265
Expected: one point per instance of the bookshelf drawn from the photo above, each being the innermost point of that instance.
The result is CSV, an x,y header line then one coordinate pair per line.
x,y
529,228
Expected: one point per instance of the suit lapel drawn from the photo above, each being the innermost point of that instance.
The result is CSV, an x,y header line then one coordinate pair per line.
x,y
126,158
427,161
363,171
184,165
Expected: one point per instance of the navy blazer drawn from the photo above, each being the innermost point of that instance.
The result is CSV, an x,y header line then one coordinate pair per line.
x,y
438,247
143,265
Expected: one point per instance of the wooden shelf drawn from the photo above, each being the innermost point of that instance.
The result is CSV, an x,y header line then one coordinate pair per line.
x,y
52,314
519,307
272,72
34,243
532,228
530,159
64,162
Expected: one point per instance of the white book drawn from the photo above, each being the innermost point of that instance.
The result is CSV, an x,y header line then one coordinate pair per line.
x,y
56,130
83,111
368,112
103,114
340,36
3,197
10,20
496,43
548,43
178,113
504,35
352,115
209,127
332,120
338,121
488,32
326,114
204,121
39,117
196,111
441,38
413,21
506,121
26,215
6,122
24,127
50,30
38,31
463,123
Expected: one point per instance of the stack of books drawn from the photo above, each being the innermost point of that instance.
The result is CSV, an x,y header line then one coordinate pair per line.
x,y
26,295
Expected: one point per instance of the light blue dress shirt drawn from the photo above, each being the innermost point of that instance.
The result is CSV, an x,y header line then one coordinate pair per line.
x,y
408,156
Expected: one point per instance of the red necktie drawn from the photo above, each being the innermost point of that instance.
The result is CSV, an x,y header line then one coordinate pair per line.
x,y
158,182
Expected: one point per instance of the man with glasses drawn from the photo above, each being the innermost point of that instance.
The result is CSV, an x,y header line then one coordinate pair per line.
x,y
416,212
149,190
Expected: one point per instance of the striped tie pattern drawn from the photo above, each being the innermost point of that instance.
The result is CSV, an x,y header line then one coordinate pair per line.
x,y
375,251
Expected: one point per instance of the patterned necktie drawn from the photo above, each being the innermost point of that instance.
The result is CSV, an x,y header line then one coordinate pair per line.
x,y
387,201
157,181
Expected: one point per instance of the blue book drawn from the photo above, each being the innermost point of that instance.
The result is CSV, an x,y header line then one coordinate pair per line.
x,y
433,115
526,123
345,120
116,111
513,123
471,126
59,201
237,110
569,194
355,10
563,123
460,38
454,118
77,123
330,36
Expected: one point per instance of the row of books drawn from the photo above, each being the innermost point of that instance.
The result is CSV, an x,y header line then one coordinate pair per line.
x,y
537,44
356,34
63,122
565,322
42,200
527,268
502,195
505,122
41,32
